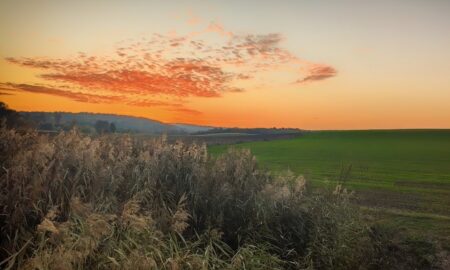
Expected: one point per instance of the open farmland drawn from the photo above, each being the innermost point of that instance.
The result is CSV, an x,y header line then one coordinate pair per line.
x,y
403,174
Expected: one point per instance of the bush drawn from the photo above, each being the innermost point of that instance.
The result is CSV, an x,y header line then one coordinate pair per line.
x,y
71,201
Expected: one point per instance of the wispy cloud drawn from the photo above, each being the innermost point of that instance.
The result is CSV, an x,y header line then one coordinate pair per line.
x,y
193,19
165,70
76,96
185,110
92,98
319,72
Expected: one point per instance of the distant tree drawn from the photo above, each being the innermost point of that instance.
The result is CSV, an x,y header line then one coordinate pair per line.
x,y
70,125
58,117
13,118
102,126
4,110
112,128
73,123
41,117
87,129
46,126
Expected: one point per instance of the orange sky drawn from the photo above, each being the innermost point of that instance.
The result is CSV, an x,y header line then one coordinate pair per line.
x,y
352,65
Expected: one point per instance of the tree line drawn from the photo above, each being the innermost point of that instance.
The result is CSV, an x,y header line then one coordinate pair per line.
x,y
43,121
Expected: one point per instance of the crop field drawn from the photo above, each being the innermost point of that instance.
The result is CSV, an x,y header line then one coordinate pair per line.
x,y
402,176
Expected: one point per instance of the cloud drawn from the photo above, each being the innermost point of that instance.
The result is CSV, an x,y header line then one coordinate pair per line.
x,y
152,103
6,90
167,70
76,96
92,98
318,73
193,19
216,27
261,43
185,111
134,75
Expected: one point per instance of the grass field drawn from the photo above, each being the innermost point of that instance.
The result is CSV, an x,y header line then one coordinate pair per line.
x,y
403,173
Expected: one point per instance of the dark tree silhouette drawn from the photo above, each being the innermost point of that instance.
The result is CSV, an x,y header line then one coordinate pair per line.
x,y
13,118
102,126
46,126
58,118
112,128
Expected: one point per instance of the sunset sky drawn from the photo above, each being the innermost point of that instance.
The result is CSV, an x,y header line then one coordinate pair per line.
x,y
306,64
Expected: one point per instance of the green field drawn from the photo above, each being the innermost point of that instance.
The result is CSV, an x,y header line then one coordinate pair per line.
x,y
405,173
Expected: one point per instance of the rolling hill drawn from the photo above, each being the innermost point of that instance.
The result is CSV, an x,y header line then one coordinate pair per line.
x,y
48,120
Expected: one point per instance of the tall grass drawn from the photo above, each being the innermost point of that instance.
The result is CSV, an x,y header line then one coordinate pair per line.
x,y
117,202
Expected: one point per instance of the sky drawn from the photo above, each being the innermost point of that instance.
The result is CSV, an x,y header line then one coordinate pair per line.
x,y
305,64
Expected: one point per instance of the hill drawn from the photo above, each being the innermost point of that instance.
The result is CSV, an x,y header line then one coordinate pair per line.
x,y
64,120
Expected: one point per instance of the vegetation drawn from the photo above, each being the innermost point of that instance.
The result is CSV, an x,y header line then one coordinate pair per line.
x,y
407,155
12,118
102,127
95,123
88,123
402,177
72,201
411,163
250,131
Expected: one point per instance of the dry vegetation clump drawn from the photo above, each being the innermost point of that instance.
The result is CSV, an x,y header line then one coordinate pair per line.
x,y
117,202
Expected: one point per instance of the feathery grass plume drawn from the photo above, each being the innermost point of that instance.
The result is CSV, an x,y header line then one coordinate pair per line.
x,y
47,226
132,218
181,217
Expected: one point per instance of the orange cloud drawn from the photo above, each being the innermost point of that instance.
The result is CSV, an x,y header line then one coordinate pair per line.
x,y
92,98
218,28
185,110
165,70
76,96
319,72
180,77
